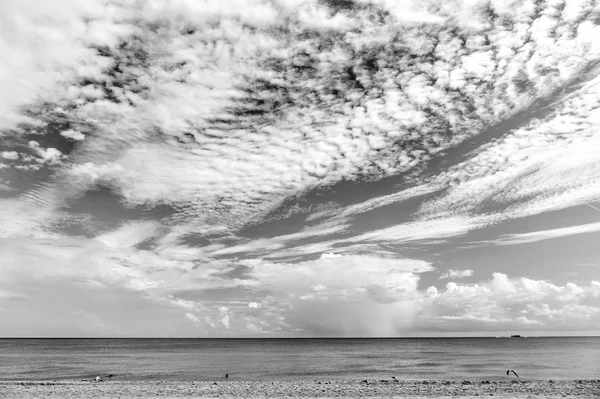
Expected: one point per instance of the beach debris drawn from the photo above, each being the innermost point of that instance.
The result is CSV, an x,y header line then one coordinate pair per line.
x,y
98,378
393,377
512,371
365,381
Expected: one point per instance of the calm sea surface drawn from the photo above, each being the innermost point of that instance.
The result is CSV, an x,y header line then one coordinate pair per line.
x,y
306,359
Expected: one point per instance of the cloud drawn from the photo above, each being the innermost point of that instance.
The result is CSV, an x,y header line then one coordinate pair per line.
x,y
385,200
98,273
10,296
423,230
73,135
457,274
408,12
274,246
343,294
129,235
518,304
301,251
336,294
166,151
42,45
542,166
12,155
49,155
524,238
193,319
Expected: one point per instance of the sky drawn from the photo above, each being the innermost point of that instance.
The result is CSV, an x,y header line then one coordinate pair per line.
x,y
298,168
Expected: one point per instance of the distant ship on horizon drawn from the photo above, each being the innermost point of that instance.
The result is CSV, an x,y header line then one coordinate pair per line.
x,y
516,336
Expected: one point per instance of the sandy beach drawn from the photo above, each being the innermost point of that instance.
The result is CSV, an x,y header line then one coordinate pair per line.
x,y
301,389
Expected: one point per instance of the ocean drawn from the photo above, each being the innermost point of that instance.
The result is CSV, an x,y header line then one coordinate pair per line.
x,y
301,359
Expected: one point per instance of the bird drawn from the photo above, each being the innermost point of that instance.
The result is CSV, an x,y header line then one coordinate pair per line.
x,y
226,375
98,379
513,371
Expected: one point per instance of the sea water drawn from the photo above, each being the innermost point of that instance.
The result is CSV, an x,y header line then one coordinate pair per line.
x,y
301,359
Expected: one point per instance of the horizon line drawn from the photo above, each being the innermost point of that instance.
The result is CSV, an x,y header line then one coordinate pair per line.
x,y
317,337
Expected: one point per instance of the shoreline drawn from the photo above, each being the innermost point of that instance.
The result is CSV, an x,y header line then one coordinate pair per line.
x,y
302,389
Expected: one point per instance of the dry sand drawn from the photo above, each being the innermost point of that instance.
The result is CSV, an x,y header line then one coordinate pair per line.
x,y
300,389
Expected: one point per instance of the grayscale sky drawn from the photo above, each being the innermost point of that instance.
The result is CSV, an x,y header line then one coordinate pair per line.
x,y
299,167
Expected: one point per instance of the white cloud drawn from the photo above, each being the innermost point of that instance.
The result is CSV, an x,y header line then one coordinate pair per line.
x,y
6,187
224,316
73,135
41,45
346,295
25,215
299,251
129,235
425,230
452,273
524,238
378,202
9,295
193,319
169,151
407,11
270,247
544,166
10,155
335,294
518,304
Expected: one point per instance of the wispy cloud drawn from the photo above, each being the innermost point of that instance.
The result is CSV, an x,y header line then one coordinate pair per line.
x,y
524,238
424,230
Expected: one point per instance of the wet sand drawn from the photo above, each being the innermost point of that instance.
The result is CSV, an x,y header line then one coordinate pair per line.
x,y
301,389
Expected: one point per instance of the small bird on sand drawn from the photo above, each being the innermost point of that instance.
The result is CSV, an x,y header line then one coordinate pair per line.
x,y
226,375
98,379
513,371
